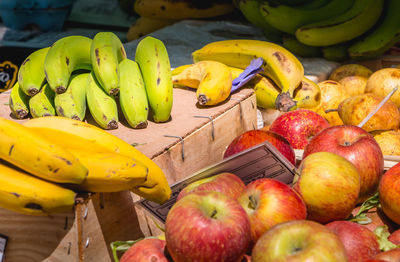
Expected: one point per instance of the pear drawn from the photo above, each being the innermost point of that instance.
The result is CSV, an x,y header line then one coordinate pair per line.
x,y
383,81
355,108
353,77
388,141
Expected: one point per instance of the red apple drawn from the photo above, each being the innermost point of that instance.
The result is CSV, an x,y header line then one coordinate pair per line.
x,y
329,185
356,145
360,242
392,255
394,237
269,202
299,241
207,226
227,183
299,126
389,193
145,250
254,137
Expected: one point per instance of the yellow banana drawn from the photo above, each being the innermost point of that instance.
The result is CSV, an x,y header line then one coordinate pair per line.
x,y
105,53
132,94
155,188
167,9
212,79
31,152
102,106
279,64
31,73
307,94
42,104
146,25
66,55
18,102
23,193
109,171
72,103
152,57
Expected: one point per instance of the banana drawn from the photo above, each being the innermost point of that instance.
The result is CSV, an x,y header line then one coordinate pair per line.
x,y
307,94
42,104
31,73
152,58
102,106
293,45
155,188
212,79
72,103
105,53
349,25
29,151
279,64
132,94
66,55
265,90
251,11
146,25
381,38
292,2
336,52
25,194
18,102
182,9
289,18
109,171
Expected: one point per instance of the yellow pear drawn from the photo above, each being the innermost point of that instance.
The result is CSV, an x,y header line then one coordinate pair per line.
x,y
388,141
353,77
354,109
383,81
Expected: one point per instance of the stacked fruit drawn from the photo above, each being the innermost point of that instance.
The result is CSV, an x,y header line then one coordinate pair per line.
x,y
336,29
77,72
45,161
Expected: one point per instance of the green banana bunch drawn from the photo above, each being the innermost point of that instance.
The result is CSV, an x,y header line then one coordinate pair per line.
x,y
132,94
19,102
336,52
291,2
66,55
152,58
42,104
289,18
349,25
31,73
384,36
296,47
105,54
72,103
102,106
279,64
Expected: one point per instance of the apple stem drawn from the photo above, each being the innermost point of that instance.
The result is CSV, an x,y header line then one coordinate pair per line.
x,y
331,110
253,202
365,120
214,213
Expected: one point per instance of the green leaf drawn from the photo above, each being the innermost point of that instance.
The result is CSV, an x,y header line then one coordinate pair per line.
x,y
121,246
382,233
361,216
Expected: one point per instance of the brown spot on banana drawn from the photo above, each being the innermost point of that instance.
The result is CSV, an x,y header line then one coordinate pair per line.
x,y
96,51
282,60
60,110
60,89
26,61
33,91
65,160
15,194
158,80
33,206
67,60
11,149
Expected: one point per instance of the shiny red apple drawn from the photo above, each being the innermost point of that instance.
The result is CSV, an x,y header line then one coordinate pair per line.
x,y
299,241
269,202
299,126
394,237
145,250
227,183
392,255
356,145
389,193
254,137
207,226
360,242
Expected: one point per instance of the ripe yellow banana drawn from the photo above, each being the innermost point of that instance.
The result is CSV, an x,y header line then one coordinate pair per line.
x,y
102,106
155,188
72,103
31,152
152,57
279,64
23,193
105,53
109,171
31,75
146,25
66,55
132,94
212,79
19,102
167,9
42,104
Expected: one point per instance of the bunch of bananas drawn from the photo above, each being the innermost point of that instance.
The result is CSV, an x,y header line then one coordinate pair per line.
x,y
335,29
77,72
46,161
280,85
156,14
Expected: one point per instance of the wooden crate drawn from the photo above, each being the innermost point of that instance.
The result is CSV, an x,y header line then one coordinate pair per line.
x,y
203,133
